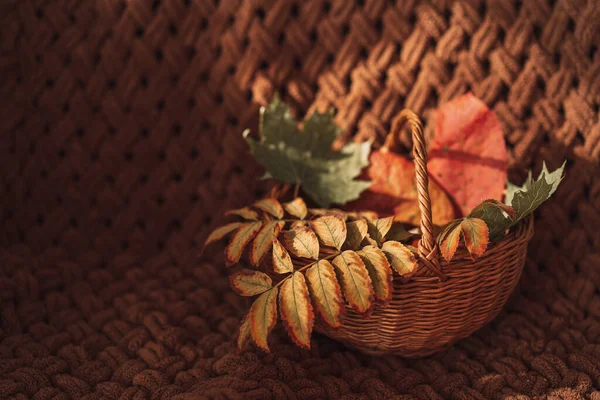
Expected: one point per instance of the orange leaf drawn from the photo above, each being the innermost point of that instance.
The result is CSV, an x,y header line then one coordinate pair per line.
x,y
401,258
379,271
356,283
449,239
296,310
394,191
326,293
221,232
467,156
245,212
282,262
296,208
264,240
244,333
302,242
233,251
250,283
476,234
263,317
270,206
331,230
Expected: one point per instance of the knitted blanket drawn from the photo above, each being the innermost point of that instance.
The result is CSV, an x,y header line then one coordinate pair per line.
x,y
121,146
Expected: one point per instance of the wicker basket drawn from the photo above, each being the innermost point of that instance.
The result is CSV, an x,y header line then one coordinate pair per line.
x,y
443,302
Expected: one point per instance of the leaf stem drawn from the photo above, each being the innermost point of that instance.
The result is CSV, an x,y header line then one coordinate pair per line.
x,y
297,188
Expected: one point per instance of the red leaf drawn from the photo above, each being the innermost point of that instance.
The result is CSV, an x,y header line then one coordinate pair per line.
x,y
467,156
394,192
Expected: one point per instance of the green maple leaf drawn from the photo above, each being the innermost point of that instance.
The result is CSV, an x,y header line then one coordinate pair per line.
x,y
533,193
305,157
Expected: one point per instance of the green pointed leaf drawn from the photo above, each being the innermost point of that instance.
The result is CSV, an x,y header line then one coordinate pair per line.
x,y
497,216
534,192
306,156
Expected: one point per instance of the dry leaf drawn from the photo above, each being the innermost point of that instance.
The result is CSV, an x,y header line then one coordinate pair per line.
x,y
357,230
319,212
282,262
244,212
379,228
476,234
326,293
263,317
244,333
247,231
449,239
221,232
356,283
250,283
270,206
263,241
401,258
331,230
379,271
467,156
394,191
302,242
296,310
296,208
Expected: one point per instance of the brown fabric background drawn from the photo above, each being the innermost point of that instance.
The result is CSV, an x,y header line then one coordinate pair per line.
x,y
120,146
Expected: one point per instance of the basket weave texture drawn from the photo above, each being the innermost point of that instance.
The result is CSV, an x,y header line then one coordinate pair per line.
x,y
120,147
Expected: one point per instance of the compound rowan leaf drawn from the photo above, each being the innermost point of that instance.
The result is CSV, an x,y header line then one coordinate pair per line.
x,y
379,228
296,208
221,232
247,231
250,283
326,292
264,240
355,280
532,194
244,212
476,234
467,155
263,317
306,157
449,239
380,272
496,215
270,206
282,262
401,258
244,333
394,191
296,310
357,230
302,242
331,230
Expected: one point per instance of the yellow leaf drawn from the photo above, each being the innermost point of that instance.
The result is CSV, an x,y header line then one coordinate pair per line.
x,y
449,239
245,212
263,241
302,242
296,310
379,271
356,283
331,230
379,228
296,208
357,230
233,252
326,293
476,234
401,258
282,262
250,283
221,232
263,317
270,206
244,333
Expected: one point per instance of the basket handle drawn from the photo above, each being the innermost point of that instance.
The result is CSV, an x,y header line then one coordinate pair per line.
x,y
428,248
